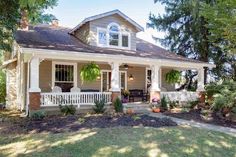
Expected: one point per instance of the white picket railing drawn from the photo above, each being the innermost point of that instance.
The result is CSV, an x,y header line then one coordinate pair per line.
x,y
183,96
81,98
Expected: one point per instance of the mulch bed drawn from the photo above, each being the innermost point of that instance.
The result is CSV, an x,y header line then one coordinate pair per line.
x,y
58,124
195,114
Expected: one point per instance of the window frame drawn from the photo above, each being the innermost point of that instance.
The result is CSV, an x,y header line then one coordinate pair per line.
x,y
54,63
120,34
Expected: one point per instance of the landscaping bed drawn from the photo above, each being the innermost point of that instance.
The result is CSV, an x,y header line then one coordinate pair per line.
x,y
58,124
196,115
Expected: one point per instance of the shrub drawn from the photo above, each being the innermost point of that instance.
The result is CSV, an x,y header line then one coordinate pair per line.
x,y
164,103
224,94
99,106
38,115
67,109
2,86
118,105
192,104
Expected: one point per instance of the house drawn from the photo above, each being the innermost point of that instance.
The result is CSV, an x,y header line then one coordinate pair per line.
x,y
50,56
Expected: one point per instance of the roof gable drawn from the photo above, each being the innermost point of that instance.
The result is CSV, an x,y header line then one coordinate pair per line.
x,y
139,28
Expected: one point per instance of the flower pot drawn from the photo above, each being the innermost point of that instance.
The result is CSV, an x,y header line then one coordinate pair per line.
x,y
130,111
156,110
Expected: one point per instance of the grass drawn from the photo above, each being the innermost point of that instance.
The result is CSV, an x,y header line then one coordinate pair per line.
x,y
122,141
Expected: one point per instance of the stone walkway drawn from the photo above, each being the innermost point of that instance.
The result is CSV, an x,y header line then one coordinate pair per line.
x,y
226,130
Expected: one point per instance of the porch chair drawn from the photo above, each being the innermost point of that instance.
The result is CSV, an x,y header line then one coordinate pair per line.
x,y
75,97
56,89
75,90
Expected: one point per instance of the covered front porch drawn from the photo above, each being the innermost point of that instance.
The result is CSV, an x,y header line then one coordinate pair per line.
x,y
115,77
45,72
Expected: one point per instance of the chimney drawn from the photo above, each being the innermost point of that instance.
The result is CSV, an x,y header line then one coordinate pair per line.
x,y
24,23
55,22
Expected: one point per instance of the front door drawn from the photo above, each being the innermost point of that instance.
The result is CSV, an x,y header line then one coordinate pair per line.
x,y
106,80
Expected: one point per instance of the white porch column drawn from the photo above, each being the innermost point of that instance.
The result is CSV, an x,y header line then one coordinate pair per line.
x,y
115,84
155,87
155,78
200,85
34,75
115,74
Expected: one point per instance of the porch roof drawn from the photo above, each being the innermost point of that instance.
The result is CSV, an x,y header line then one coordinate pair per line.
x,y
58,38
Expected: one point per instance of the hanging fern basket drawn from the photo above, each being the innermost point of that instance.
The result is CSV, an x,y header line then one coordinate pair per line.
x,y
90,72
173,77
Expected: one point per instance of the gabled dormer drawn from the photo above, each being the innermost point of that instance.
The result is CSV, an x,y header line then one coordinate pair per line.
x,y
110,30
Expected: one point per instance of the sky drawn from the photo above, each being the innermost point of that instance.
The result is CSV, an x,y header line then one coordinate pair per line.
x,y
71,13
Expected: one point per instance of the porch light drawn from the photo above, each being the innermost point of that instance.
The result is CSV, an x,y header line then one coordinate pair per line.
x,y
131,78
126,66
99,77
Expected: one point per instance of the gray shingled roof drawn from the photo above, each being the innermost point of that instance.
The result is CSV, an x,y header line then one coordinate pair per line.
x,y
48,37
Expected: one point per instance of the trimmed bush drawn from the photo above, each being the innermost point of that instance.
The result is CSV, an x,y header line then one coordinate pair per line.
x,y
118,105
164,103
38,115
67,109
99,106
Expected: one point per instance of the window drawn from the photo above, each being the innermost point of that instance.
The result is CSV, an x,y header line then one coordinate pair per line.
x,y
125,40
148,79
102,38
64,75
113,36
114,39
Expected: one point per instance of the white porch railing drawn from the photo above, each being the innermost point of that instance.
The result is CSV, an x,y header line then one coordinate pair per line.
x,y
182,96
81,98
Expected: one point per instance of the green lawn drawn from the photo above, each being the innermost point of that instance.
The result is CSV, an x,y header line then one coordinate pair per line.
x,y
123,141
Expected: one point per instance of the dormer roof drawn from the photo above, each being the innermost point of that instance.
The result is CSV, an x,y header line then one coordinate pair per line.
x,y
136,25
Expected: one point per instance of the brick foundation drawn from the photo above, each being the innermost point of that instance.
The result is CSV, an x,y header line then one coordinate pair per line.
x,y
34,101
115,95
155,94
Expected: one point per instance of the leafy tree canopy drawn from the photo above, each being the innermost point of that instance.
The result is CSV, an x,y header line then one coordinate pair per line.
x,y
10,15
194,30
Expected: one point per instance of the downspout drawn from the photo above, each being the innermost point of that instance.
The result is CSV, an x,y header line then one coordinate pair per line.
x,y
27,88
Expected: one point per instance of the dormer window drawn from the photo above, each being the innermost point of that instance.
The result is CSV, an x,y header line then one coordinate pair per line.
x,y
114,32
116,37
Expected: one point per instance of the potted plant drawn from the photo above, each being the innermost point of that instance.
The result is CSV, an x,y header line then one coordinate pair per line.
x,y
155,105
125,94
130,111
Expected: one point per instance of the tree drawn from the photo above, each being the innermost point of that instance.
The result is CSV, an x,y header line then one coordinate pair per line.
x,y
14,11
187,33
221,17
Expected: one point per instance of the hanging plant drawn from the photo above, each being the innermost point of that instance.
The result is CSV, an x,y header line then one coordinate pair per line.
x,y
90,72
173,77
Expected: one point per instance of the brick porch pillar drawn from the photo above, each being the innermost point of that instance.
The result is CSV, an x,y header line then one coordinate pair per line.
x,y
34,90
115,95
155,88
34,101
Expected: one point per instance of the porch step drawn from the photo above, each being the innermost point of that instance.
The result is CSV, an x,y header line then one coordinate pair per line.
x,y
138,108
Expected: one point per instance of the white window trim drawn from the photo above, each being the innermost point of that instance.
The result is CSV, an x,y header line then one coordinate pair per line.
x,y
119,78
160,78
64,63
120,33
